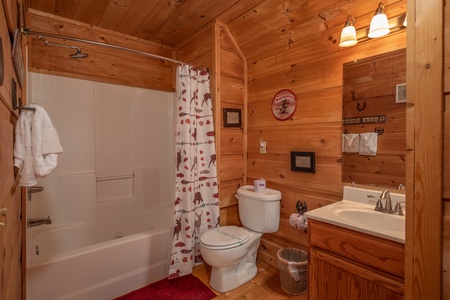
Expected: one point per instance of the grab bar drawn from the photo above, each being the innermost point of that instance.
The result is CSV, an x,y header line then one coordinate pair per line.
x,y
114,177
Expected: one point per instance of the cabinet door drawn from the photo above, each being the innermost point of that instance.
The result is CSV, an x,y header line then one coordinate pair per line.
x,y
10,229
335,278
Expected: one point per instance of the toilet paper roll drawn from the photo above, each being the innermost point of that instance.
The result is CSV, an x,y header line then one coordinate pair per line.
x,y
298,221
259,185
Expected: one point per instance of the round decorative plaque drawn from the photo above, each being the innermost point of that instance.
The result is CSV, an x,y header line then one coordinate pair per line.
x,y
284,104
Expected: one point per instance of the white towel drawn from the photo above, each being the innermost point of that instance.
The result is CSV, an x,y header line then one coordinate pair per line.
x,y
23,158
350,143
368,143
37,145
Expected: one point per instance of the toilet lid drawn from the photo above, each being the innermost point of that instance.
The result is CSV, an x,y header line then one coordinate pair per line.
x,y
225,237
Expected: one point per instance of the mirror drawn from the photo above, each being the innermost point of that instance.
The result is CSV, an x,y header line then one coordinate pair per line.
x,y
374,114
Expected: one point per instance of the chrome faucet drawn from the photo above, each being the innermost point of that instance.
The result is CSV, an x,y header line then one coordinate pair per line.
x,y
386,195
38,221
388,206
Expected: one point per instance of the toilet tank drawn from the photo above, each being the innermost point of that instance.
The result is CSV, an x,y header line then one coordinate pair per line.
x,y
258,211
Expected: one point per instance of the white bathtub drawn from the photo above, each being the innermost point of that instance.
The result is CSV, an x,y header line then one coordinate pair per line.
x,y
101,271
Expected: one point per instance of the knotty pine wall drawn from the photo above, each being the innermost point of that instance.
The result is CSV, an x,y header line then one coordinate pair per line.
x,y
313,70
103,64
11,234
446,183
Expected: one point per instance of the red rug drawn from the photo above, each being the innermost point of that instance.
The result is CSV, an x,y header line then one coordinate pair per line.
x,y
186,287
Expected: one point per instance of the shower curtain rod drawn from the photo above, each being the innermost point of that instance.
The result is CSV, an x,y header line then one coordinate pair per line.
x,y
27,32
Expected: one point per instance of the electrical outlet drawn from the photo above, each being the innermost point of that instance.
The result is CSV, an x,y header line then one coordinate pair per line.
x,y
262,148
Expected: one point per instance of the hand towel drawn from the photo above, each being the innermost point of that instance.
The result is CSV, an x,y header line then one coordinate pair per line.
x,y
45,143
23,158
368,143
350,143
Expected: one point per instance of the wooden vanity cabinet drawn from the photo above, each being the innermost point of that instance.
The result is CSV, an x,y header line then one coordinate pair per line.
x,y
346,264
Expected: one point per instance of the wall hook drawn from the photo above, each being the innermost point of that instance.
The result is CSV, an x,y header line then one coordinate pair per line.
x,y
359,108
379,130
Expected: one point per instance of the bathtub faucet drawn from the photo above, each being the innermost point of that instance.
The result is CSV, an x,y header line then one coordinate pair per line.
x,y
38,221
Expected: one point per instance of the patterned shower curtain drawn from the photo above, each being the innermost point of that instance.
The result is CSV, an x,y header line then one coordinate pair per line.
x,y
196,188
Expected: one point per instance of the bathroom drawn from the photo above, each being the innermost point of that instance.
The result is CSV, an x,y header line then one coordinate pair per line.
x,y
291,62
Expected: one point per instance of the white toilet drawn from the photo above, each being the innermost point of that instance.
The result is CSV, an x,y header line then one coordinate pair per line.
x,y
231,250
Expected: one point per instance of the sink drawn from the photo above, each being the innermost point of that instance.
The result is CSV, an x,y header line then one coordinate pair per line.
x,y
356,212
374,219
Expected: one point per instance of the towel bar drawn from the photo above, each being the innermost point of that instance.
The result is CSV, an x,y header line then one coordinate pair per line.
x,y
114,177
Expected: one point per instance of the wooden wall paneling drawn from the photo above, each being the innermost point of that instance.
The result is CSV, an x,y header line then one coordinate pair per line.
x,y
235,90
446,160
12,9
446,252
11,235
232,168
446,48
305,25
231,142
229,215
320,106
447,102
104,64
199,45
309,63
323,139
136,70
423,274
228,191
233,95
447,144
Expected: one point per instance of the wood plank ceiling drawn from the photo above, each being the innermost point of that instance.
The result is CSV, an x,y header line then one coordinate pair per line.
x,y
259,26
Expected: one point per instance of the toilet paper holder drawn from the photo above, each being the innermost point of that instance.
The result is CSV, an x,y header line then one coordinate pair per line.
x,y
301,207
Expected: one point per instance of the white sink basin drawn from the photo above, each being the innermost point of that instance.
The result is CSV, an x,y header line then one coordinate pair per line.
x,y
361,216
372,218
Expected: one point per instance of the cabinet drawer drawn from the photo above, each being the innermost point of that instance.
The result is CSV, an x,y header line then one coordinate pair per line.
x,y
379,253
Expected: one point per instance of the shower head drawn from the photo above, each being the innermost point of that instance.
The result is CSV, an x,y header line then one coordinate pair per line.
x,y
77,54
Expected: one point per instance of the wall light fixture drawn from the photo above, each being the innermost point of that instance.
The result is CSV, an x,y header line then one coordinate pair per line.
x,y
348,34
379,25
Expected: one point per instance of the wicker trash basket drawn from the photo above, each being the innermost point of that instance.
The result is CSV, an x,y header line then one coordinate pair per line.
x,y
293,266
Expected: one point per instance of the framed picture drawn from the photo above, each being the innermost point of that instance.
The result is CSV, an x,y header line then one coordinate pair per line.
x,y
303,162
232,117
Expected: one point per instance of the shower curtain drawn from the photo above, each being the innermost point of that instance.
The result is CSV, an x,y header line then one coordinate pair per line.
x,y
196,189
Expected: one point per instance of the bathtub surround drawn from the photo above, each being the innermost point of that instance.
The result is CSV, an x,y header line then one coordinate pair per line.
x,y
111,194
196,190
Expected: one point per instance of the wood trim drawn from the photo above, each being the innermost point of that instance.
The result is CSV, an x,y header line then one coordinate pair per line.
x,y
423,273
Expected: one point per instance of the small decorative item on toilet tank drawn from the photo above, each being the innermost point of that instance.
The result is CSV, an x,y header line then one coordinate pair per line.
x,y
260,185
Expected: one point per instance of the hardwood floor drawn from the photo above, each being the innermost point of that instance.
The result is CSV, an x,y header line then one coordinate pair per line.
x,y
266,284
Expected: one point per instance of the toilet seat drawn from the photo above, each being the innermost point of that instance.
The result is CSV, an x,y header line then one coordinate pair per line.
x,y
225,237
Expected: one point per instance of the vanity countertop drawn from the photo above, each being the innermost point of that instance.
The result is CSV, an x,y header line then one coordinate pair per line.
x,y
356,212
